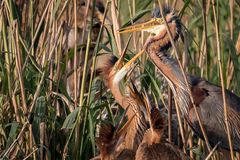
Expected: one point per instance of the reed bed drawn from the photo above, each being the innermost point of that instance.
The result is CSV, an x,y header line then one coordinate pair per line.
x,y
51,98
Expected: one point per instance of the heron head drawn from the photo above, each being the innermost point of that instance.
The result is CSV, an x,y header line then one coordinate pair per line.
x,y
109,65
157,28
110,68
105,66
171,18
156,24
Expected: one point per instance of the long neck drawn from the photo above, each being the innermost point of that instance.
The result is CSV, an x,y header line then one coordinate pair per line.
x,y
138,125
170,69
115,89
156,47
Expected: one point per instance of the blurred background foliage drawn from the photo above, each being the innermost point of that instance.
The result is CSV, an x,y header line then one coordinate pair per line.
x,y
50,97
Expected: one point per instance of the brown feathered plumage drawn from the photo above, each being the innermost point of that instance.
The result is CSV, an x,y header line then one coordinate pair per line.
x,y
154,145
107,69
207,97
110,141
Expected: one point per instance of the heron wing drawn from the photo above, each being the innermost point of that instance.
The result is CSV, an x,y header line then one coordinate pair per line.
x,y
208,98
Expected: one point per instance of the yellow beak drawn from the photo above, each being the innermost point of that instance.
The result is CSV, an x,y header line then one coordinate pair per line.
x,y
128,64
145,26
119,63
140,27
125,69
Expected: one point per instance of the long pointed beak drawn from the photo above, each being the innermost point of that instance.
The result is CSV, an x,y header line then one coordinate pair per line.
x,y
145,26
128,64
119,63
124,70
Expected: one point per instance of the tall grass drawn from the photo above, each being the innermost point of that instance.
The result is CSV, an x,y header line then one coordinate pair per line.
x,y
40,119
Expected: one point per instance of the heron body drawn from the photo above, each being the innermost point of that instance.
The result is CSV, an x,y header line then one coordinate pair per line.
x,y
153,145
140,142
159,151
206,96
110,144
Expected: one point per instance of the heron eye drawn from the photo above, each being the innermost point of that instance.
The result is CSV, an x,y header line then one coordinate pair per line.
x,y
153,34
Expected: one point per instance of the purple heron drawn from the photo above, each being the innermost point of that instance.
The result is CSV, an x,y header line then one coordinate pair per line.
x,y
108,67
206,96
110,141
140,141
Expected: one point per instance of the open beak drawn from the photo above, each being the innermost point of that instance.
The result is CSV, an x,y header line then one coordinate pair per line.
x,y
125,69
129,63
138,27
119,63
145,26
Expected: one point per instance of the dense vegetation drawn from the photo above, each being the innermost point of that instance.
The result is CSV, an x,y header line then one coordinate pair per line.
x,y
45,115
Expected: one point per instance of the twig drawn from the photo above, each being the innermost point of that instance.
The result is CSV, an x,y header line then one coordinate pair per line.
x,y
89,39
84,75
44,73
213,150
230,64
116,26
169,114
222,82
30,154
180,125
96,50
75,54
204,48
42,129
19,69
15,141
36,34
